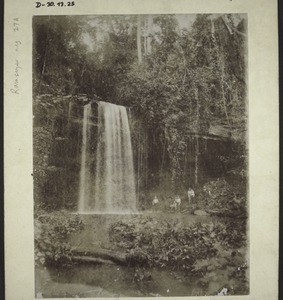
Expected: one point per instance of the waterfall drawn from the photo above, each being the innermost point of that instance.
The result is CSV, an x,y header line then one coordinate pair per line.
x,y
109,185
85,170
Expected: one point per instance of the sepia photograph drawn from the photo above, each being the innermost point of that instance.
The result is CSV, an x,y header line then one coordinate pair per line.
x,y
140,155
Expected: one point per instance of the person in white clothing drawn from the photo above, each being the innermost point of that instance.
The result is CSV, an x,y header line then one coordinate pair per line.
x,y
191,195
155,200
173,206
178,202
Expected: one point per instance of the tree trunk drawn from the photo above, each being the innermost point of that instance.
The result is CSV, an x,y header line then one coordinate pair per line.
x,y
139,39
44,60
138,154
163,153
141,159
197,139
196,161
100,256
213,30
91,260
145,158
149,33
145,32
223,93
185,162
225,21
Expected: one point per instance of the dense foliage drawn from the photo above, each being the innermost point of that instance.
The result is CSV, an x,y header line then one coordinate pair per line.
x,y
213,251
224,198
51,236
185,82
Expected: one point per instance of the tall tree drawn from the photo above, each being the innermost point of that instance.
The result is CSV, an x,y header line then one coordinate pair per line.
x,y
139,39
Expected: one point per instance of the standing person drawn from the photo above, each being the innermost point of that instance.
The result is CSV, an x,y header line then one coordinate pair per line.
x,y
191,195
178,202
155,202
174,205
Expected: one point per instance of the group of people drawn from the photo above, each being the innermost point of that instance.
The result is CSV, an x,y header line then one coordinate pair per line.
x,y
177,201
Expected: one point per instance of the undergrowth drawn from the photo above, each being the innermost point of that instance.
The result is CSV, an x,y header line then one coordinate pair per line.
x,y
215,252
51,236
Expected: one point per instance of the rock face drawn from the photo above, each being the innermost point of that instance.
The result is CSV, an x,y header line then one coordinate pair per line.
x,y
199,212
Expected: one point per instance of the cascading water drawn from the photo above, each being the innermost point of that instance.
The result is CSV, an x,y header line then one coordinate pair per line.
x,y
109,186
85,179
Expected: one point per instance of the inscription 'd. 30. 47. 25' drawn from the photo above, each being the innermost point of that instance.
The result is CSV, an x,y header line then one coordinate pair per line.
x,y
53,4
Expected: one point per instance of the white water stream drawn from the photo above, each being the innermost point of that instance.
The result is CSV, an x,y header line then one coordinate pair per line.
x,y
110,186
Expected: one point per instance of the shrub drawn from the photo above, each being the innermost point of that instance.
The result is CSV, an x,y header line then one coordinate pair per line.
x,y
163,244
219,195
212,252
51,233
